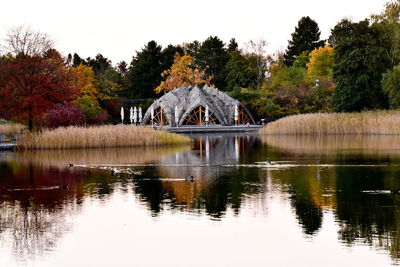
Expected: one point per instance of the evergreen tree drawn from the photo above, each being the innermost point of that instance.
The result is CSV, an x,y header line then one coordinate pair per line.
x,y
213,57
360,61
306,37
192,49
122,67
144,74
99,64
168,54
233,46
240,73
77,60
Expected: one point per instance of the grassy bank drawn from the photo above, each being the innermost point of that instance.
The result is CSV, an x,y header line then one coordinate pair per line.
x,y
100,137
11,129
362,123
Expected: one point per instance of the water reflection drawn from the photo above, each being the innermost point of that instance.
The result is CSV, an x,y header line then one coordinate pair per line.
x,y
366,211
215,187
40,194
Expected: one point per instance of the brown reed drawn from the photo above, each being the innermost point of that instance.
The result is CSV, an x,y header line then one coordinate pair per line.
x,y
100,137
12,129
383,122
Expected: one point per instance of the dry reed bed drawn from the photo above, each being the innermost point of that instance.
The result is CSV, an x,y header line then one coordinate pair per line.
x,y
11,129
361,123
100,137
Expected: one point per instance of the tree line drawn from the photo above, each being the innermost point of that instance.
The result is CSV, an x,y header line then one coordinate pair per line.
x,y
357,68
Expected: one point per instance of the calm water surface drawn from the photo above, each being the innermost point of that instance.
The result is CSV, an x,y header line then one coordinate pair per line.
x,y
322,202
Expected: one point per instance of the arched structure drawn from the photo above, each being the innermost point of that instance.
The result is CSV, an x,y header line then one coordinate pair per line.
x,y
190,104
198,117
160,118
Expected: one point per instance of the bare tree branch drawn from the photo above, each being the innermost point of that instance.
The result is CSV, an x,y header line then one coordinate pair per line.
x,y
258,50
24,40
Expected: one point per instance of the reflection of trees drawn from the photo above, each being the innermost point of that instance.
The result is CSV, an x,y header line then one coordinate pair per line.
x,y
373,219
368,218
60,158
364,145
37,217
308,193
34,210
31,228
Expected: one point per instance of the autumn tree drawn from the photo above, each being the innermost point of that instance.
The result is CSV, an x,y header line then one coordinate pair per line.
x,y
306,37
182,73
110,84
31,85
26,41
84,80
321,63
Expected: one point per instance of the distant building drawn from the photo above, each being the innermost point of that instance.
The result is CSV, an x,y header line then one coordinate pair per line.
x,y
190,105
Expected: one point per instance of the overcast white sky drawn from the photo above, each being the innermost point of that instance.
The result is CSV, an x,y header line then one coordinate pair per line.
x,y
118,28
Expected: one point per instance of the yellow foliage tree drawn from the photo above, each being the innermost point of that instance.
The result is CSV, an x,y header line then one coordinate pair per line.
x,y
321,63
182,73
84,80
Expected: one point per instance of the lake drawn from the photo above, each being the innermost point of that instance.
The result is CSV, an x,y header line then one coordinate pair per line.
x,y
320,202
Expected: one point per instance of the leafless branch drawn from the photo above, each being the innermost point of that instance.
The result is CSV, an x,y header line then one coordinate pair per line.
x,y
24,40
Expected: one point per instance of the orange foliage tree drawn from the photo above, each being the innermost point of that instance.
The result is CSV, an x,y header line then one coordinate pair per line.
x,y
183,72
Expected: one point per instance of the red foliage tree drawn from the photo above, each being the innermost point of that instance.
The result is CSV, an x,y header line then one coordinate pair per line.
x,y
32,85
64,115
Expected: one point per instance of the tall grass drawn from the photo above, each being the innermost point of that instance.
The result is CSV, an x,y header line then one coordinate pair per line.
x,y
11,129
100,137
361,123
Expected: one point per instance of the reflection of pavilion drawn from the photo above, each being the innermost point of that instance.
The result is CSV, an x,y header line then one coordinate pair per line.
x,y
205,162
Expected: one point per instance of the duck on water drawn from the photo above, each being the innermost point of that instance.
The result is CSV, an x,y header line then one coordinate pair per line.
x,y
189,179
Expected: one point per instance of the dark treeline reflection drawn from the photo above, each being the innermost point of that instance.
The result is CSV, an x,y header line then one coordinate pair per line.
x,y
40,195
212,195
356,187
217,185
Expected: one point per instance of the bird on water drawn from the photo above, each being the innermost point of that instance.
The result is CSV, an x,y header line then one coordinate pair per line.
x,y
395,191
190,179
